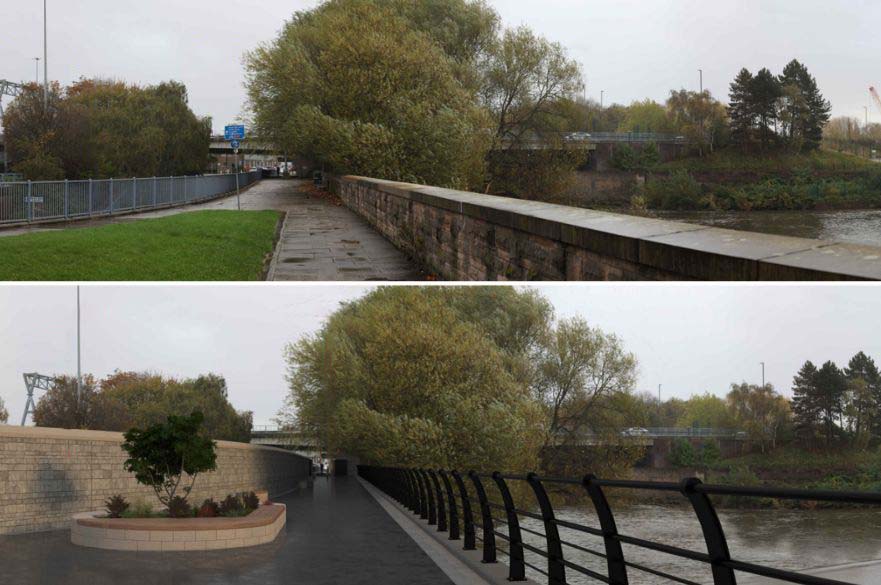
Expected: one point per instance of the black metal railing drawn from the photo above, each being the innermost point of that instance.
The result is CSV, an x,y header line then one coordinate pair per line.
x,y
458,503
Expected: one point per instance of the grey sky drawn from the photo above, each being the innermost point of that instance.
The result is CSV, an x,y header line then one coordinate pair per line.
x,y
689,338
632,49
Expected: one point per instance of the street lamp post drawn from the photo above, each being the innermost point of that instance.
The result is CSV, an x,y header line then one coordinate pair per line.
x,y
602,98
45,57
37,69
702,79
763,374
79,371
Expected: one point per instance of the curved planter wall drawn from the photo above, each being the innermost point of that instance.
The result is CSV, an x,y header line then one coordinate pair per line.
x,y
469,236
48,475
164,534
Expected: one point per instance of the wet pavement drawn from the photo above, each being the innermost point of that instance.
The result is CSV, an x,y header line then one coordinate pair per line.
x,y
336,533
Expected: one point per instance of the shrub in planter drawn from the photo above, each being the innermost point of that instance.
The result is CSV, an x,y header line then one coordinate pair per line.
x,y
232,506
163,454
208,509
116,506
179,508
250,501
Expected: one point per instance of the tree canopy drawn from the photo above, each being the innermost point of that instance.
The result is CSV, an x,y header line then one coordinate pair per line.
x,y
455,377
101,128
125,400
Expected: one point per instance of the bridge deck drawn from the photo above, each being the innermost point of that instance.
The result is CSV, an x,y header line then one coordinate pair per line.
x,y
336,533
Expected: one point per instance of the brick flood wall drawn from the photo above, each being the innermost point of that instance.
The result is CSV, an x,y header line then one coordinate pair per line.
x,y
47,475
473,237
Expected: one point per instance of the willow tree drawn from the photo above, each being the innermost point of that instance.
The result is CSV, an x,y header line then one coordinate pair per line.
x,y
404,377
359,88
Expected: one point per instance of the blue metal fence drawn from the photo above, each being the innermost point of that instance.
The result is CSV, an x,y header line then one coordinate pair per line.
x,y
43,201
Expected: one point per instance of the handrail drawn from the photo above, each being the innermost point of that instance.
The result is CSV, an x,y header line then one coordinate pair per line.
x,y
717,556
34,202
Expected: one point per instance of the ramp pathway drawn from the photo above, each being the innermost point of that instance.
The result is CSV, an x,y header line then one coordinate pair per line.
x,y
336,533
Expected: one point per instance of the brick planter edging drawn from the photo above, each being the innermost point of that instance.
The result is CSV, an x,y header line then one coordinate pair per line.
x,y
165,534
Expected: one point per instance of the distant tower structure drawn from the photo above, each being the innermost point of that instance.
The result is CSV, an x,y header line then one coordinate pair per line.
x,y
34,382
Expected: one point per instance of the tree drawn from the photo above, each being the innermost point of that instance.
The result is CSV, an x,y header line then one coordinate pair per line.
x,y
62,407
765,90
4,414
806,111
831,385
759,411
740,108
162,454
523,78
705,411
400,377
130,399
805,404
700,118
99,128
647,116
359,88
581,371
863,397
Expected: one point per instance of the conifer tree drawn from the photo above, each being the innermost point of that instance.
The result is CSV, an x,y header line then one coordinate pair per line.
x,y
740,110
831,386
863,374
805,407
765,91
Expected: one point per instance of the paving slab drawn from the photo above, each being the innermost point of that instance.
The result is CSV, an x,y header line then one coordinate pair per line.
x,y
336,533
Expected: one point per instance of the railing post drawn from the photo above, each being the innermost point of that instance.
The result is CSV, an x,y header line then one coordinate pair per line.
x,y
66,199
451,498
556,568
90,197
111,195
423,498
489,531
517,568
432,510
29,203
441,512
414,491
467,516
134,193
614,553
717,545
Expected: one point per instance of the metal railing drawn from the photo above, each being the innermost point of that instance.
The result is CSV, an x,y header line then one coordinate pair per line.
x,y
445,500
29,202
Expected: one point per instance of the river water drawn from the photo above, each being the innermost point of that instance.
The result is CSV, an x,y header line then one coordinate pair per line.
x,y
798,540
855,227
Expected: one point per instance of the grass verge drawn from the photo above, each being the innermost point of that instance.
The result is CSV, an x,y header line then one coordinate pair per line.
x,y
196,246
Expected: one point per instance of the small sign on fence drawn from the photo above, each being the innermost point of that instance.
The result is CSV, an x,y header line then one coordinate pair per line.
x,y
33,199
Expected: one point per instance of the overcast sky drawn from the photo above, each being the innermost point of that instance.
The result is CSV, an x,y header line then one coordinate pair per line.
x,y
632,49
692,339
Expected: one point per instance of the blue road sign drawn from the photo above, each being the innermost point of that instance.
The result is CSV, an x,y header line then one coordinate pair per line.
x,y
234,132
234,144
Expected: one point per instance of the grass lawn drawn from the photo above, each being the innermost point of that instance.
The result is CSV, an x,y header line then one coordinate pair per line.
x,y
201,245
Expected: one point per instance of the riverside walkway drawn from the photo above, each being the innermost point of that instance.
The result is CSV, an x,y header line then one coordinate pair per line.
x,y
336,533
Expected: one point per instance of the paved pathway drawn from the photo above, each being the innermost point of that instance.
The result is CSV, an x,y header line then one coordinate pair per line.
x,y
320,239
336,534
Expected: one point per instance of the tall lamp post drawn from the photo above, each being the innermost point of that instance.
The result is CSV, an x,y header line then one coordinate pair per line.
x,y
45,57
79,371
702,79
763,374
37,69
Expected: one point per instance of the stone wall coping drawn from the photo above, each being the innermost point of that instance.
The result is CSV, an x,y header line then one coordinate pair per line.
x,y
693,251
262,516
14,432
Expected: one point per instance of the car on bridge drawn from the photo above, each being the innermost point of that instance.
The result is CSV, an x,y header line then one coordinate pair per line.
x,y
635,432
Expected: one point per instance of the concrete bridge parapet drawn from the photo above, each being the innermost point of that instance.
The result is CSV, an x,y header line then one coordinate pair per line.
x,y
474,237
